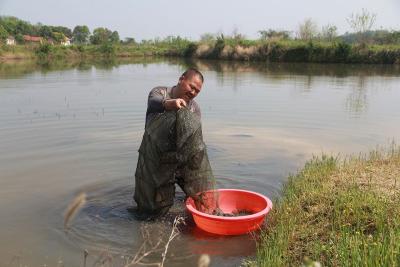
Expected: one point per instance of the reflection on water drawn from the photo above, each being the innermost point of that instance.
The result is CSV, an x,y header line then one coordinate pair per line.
x,y
76,126
272,70
19,68
356,101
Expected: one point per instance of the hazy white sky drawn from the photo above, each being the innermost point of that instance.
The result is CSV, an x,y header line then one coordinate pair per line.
x,y
146,19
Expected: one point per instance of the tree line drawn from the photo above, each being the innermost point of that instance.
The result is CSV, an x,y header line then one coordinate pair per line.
x,y
361,24
17,28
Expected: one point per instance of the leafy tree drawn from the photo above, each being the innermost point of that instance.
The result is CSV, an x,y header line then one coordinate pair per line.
x,y
45,31
393,37
58,36
19,38
307,29
100,36
272,34
329,32
237,35
14,26
377,37
25,28
9,24
81,34
129,40
208,38
146,42
114,37
3,34
64,30
107,48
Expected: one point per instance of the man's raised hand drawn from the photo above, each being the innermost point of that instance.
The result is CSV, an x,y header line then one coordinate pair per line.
x,y
174,104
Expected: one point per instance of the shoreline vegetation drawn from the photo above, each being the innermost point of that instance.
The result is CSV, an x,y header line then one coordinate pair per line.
x,y
310,43
337,212
221,49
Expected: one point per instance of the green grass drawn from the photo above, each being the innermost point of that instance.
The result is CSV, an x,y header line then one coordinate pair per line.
x,y
16,52
338,213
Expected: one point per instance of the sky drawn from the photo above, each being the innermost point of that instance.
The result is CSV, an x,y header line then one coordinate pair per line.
x,y
147,19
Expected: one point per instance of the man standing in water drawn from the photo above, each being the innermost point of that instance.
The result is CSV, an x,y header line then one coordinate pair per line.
x,y
172,149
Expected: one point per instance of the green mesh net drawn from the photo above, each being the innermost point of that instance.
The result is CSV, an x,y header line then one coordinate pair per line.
x,y
173,151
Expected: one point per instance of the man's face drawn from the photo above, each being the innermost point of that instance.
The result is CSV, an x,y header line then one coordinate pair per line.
x,y
188,87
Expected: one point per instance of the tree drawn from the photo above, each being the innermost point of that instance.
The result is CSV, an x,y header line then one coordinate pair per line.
x,y
100,36
25,28
3,34
81,34
114,37
19,38
361,23
45,31
272,34
64,30
9,24
307,29
58,36
129,40
394,37
237,35
329,32
207,38
14,26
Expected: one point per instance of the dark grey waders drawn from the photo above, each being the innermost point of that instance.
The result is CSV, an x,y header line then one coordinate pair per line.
x,y
172,151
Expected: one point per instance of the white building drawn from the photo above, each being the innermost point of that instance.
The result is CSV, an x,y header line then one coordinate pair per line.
x,y
66,41
10,40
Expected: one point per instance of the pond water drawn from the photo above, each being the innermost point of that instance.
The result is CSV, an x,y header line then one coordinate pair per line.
x,y
66,129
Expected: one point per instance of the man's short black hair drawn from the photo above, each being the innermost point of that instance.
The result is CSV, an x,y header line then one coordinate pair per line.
x,y
192,71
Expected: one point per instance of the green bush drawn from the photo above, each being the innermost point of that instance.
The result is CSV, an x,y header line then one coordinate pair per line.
x,y
107,48
43,51
342,51
218,47
190,49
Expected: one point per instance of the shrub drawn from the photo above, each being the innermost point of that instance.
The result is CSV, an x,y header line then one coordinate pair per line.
x,y
107,49
190,49
342,51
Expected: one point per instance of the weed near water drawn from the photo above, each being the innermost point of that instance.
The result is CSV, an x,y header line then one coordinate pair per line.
x,y
339,212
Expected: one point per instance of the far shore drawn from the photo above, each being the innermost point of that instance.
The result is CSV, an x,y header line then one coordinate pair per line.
x,y
239,50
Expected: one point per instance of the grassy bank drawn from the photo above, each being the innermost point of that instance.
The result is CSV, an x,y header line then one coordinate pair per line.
x,y
47,52
297,51
338,213
226,49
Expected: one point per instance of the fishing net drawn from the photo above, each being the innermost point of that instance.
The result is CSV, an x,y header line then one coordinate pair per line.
x,y
172,151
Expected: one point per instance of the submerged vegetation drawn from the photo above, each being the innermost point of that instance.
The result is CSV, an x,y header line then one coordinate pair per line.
x,y
338,213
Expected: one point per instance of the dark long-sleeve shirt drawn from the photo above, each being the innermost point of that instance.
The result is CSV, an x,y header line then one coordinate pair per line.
x,y
155,102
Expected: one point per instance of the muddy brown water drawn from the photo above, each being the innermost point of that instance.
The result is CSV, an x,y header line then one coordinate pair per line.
x,y
70,128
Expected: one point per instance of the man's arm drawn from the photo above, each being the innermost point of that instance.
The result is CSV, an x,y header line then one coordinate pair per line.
x,y
158,103
155,100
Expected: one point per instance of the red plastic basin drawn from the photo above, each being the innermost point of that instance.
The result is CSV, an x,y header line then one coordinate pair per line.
x,y
231,200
